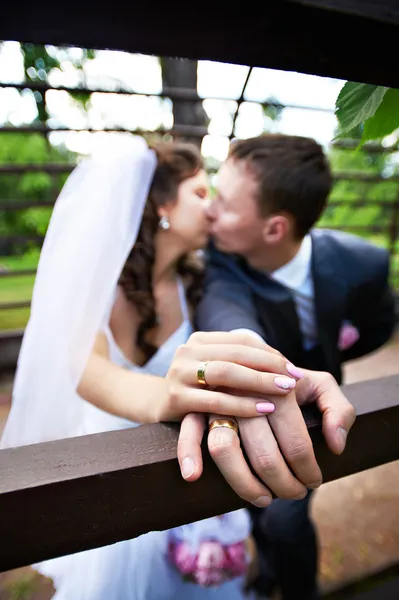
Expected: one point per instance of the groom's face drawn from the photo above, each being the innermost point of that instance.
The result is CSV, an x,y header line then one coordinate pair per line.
x,y
236,225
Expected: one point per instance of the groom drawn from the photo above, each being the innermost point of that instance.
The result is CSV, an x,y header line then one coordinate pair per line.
x,y
320,297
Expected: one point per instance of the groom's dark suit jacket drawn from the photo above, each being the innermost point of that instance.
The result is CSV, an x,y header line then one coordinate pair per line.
x,y
350,279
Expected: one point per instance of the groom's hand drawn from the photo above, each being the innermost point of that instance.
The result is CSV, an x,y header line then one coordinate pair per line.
x,y
271,443
281,456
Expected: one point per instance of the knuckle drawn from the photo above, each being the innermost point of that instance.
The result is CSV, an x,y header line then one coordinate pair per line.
x,y
236,354
350,414
221,442
189,423
260,381
327,378
277,363
195,338
275,352
182,351
243,337
265,462
213,403
182,443
247,338
175,392
299,449
222,372
174,372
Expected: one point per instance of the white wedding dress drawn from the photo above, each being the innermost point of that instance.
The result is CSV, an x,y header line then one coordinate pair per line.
x,y
138,569
93,227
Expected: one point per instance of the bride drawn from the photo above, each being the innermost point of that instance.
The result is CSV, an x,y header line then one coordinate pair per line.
x,y
109,345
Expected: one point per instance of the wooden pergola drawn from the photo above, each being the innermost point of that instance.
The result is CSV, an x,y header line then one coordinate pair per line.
x,y
347,39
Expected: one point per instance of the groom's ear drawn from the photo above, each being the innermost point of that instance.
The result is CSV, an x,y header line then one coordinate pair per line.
x,y
276,228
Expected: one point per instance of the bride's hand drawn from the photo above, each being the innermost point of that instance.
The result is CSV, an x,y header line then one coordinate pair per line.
x,y
232,361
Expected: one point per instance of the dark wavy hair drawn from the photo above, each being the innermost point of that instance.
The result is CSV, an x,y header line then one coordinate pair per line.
x,y
177,161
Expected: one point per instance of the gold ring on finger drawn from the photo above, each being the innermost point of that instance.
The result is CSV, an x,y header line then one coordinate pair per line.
x,y
201,373
223,423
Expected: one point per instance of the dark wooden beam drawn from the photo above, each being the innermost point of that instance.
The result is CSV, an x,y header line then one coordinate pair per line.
x,y
351,39
378,10
66,496
10,345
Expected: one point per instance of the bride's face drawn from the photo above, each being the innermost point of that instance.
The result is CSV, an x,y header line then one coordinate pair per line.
x,y
188,215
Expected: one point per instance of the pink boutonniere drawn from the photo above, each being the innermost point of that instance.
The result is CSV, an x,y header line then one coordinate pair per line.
x,y
348,336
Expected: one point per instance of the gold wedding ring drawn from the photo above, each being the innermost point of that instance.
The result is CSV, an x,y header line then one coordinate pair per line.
x,y
201,373
224,423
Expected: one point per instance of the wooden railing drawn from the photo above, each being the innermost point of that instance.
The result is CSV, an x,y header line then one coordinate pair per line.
x,y
71,495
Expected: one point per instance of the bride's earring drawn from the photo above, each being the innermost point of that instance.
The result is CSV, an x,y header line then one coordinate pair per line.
x,y
164,223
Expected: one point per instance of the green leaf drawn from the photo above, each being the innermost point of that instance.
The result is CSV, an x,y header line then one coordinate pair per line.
x,y
386,118
356,103
274,109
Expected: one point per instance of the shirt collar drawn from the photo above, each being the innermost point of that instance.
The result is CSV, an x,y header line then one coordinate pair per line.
x,y
293,274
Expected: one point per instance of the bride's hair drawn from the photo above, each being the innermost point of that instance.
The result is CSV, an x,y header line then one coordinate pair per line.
x,y
177,161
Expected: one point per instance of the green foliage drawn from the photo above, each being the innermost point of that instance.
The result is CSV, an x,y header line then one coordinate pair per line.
x,y
37,65
40,60
366,113
373,108
356,103
343,209
385,119
21,149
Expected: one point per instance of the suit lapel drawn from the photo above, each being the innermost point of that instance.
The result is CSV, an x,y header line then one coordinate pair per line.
x,y
277,312
276,307
330,295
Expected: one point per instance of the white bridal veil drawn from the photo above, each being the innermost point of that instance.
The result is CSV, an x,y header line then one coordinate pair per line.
x,y
93,227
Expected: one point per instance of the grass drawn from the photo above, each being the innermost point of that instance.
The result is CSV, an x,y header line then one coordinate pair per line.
x,y
16,289
19,288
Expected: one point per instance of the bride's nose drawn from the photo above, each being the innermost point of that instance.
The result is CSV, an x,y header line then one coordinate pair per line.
x,y
210,209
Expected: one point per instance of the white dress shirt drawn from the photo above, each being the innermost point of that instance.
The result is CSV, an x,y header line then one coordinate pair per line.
x,y
296,275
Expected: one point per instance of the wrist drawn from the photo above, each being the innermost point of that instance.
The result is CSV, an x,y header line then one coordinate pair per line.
x,y
142,399
158,406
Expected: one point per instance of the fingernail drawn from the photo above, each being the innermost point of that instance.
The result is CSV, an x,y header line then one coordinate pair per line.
x,y
187,467
313,486
294,371
342,435
262,502
301,496
265,407
285,383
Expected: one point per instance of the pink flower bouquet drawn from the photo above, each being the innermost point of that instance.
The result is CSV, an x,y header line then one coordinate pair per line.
x,y
211,564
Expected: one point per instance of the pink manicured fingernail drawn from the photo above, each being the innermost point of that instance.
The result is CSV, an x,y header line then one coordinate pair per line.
x,y
294,371
265,407
285,383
